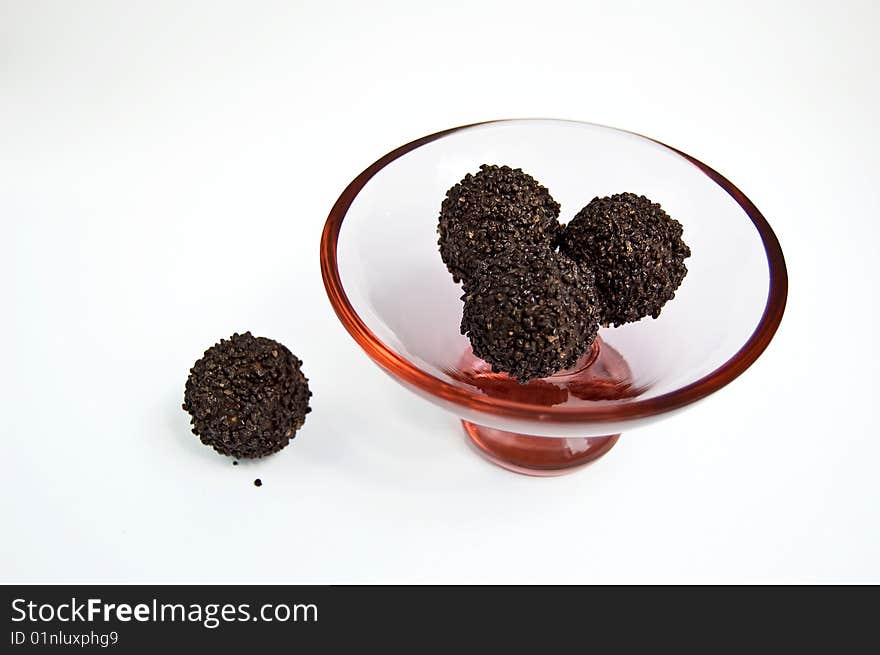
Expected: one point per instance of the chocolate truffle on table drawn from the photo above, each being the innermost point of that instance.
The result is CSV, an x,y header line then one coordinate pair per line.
x,y
635,250
530,312
247,396
487,210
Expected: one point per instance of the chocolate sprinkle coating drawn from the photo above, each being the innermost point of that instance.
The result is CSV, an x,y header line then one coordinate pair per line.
x,y
530,312
247,396
635,250
485,212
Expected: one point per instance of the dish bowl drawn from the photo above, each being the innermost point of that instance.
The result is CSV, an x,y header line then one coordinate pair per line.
x,y
390,289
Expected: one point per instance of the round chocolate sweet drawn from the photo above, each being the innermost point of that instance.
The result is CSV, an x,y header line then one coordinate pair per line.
x,y
247,396
530,312
488,210
635,250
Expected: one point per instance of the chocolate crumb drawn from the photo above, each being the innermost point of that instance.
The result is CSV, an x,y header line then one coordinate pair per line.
x,y
258,482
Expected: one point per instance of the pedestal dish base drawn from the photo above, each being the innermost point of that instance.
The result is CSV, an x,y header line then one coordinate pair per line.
x,y
539,456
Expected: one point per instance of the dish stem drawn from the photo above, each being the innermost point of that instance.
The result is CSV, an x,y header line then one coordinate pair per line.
x,y
538,456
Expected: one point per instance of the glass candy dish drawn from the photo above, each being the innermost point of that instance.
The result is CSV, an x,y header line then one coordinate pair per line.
x,y
386,281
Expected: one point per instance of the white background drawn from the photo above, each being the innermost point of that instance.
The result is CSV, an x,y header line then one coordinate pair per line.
x,y
165,172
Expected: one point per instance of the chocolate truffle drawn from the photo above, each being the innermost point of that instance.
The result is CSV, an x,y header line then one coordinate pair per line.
x,y
530,312
635,250
485,212
247,396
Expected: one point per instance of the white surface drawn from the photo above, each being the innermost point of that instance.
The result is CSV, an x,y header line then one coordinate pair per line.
x,y
165,172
